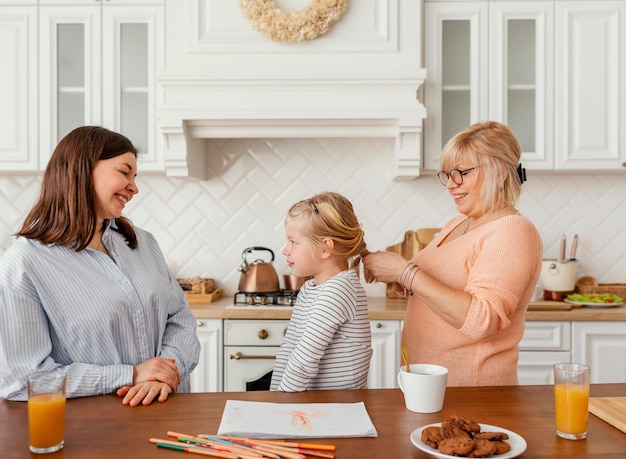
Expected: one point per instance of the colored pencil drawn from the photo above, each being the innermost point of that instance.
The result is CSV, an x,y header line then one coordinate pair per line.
x,y
220,445
301,445
241,453
281,452
286,443
267,452
275,446
191,449
285,451
282,448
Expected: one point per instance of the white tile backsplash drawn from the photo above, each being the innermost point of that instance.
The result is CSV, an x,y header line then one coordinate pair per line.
x,y
203,226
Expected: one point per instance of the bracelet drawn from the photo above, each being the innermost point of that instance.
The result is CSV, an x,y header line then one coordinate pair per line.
x,y
407,276
404,271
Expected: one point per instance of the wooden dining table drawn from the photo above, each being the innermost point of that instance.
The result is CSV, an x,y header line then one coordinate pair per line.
x,y
101,427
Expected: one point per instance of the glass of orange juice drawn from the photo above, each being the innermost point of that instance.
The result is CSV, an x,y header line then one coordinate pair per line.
x,y
571,400
46,411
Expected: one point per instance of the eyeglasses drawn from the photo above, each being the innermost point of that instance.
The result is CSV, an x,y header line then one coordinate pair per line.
x,y
455,174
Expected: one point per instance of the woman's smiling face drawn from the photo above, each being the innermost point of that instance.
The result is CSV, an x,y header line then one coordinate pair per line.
x,y
468,195
114,184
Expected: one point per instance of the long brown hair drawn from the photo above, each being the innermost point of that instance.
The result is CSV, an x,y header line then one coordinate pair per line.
x,y
65,213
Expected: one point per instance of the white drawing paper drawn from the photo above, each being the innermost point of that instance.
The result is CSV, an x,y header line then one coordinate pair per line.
x,y
295,420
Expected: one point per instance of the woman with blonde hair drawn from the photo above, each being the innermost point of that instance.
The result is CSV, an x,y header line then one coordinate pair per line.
x,y
470,287
328,342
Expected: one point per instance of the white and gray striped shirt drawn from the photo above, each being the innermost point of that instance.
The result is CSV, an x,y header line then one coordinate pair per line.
x,y
328,342
93,315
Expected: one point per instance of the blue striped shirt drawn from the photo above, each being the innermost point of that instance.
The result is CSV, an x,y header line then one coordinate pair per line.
x,y
328,342
93,315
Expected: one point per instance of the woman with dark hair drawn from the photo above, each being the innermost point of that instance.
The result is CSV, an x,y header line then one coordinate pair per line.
x,y
470,287
83,290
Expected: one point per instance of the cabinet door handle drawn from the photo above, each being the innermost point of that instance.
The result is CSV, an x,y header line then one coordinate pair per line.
x,y
240,356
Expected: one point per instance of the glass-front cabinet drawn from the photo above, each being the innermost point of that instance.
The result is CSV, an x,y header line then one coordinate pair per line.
x,y
489,60
552,70
18,87
98,66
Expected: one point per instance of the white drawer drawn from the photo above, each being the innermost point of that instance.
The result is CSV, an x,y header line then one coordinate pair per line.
x,y
254,332
546,336
536,367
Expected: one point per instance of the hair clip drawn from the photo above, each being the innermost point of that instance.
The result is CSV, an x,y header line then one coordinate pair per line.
x,y
521,173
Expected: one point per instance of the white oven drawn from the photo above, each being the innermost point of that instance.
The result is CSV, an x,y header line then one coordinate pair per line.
x,y
250,348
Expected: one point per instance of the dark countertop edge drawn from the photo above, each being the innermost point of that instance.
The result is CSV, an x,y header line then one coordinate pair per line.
x,y
381,308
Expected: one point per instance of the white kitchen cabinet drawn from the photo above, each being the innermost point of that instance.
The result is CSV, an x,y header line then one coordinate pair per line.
x,y
98,66
385,361
535,367
489,60
543,345
18,87
551,70
602,346
590,102
207,376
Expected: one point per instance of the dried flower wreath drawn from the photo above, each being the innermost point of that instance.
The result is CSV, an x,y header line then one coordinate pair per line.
x,y
306,24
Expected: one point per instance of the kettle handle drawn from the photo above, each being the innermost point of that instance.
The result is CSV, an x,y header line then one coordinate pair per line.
x,y
252,249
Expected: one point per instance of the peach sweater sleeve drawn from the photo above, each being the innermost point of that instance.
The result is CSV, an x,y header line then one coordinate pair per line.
x,y
498,265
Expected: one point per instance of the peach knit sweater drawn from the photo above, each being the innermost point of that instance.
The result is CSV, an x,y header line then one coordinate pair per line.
x,y
498,264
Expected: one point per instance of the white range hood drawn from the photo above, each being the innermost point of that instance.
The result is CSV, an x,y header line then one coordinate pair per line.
x,y
231,82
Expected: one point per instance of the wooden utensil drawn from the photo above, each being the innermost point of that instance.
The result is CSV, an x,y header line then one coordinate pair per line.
x,y
572,255
405,357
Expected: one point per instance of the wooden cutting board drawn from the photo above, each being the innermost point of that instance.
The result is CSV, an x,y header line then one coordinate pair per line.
x,y
610,409
413,242
425,235
544,305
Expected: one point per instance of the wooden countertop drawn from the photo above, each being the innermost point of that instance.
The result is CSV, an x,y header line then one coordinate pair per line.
x,y
381,308
101,427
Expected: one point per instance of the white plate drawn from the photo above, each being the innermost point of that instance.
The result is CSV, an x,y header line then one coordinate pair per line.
x,y
593,305
518,444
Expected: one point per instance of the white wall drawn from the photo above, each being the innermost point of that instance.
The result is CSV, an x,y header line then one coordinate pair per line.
x,y
203,226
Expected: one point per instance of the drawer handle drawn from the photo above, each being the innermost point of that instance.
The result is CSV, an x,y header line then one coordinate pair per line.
x,y
263,334
240,356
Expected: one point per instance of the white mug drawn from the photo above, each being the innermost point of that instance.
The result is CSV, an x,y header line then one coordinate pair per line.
x,y
424,387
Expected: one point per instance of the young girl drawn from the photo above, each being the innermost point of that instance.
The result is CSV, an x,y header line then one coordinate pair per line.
x,y
328,343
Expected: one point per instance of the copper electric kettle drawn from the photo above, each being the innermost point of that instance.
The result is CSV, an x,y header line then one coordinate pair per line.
x,y
258,276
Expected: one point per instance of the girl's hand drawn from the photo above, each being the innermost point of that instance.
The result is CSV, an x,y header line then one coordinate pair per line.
x,y
144,393
383,267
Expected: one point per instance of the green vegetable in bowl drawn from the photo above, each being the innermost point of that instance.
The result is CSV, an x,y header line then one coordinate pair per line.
x,y
595,298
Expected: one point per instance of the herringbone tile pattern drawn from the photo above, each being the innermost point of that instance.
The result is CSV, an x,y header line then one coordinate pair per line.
x,y
203,226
